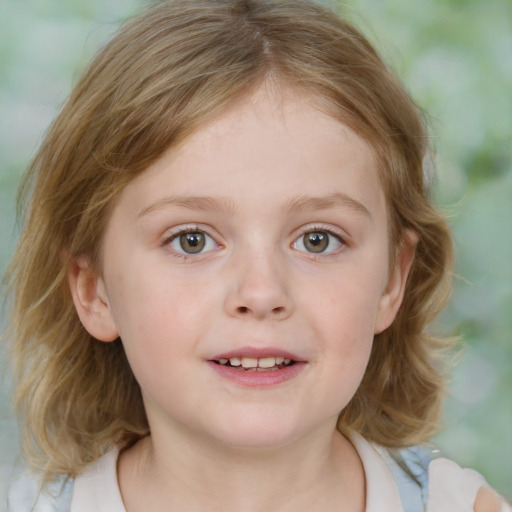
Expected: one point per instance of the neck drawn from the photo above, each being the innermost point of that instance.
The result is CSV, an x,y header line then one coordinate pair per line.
x,y
321,472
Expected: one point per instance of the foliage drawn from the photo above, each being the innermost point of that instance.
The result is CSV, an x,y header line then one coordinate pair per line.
x,y
455,58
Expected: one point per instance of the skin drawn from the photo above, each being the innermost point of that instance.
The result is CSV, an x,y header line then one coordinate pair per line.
x,y
488,501
216,445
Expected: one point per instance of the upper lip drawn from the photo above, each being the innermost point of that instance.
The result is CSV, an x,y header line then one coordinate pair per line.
x,y
257,352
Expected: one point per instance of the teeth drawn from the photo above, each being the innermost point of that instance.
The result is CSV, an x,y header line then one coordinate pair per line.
x,y
249,362
253,363
267,362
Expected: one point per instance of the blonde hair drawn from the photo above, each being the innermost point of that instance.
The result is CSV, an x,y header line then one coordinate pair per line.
x,y
163,75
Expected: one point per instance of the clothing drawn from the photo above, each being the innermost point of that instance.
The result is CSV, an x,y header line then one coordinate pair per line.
x,y
441,486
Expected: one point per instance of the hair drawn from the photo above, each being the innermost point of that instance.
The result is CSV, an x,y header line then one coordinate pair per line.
x,y
161,78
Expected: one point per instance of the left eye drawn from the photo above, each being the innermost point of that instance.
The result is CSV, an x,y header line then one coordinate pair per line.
x,y
192,242
318,242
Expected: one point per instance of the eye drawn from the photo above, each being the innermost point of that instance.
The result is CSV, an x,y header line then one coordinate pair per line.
x,y
192,242
318,242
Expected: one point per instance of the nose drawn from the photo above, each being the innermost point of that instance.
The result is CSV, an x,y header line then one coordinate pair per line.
x,y
259,288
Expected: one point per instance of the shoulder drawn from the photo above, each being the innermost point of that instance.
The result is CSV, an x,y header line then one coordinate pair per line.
x,y
443,484
461,489
93,490
26,494
424,481
96,489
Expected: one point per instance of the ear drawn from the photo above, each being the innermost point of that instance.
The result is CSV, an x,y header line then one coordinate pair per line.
x,y
91,301
393,294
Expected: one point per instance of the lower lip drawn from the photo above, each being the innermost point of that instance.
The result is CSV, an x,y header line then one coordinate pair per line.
x,y
257,379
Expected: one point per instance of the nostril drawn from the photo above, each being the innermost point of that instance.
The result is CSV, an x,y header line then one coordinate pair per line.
x,y
279,311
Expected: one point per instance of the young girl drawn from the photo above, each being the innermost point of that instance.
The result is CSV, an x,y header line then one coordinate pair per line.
x,y
228,265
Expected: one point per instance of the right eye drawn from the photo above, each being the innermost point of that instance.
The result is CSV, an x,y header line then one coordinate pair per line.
x,y
192,242
318,241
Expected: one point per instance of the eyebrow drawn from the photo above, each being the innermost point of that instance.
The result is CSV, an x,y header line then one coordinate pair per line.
x,y
222,204
326,202
202,203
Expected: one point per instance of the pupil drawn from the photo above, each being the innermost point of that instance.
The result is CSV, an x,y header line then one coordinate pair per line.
x,y
317,241
192,242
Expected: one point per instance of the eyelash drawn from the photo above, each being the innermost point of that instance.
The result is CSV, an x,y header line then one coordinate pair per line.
x,y
310,229
177,234
321,229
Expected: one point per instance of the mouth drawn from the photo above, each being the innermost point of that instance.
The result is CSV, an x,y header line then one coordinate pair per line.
x,y
254,364
258,367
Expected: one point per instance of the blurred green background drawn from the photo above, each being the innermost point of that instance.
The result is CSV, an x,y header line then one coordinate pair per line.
x,y
455,56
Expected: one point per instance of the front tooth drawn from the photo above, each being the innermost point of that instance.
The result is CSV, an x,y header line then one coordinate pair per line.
x,y
249,362
235,361
266,362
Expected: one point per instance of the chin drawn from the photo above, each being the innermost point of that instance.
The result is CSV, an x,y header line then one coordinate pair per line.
x,y
257,435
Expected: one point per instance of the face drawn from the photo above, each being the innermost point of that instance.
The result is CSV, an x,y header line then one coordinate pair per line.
x,y
247,273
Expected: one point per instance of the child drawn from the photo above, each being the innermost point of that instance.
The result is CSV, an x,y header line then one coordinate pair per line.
x,y
228,265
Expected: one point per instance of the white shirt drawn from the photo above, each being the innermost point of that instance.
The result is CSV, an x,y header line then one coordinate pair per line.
x,y
451,488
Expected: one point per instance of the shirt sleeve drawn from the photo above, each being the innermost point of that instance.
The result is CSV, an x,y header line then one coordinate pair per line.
x,y
454,489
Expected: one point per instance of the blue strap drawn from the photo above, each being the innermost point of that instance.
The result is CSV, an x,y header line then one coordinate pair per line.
x,y
410,470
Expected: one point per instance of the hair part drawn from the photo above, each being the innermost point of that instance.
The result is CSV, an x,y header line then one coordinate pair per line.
x,y
160,79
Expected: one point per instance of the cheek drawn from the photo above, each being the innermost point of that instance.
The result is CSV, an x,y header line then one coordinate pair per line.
x,y
157,341
157,321
343,314
347,306
147,298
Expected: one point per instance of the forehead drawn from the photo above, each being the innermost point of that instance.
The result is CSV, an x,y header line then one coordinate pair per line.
x,y
270,148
